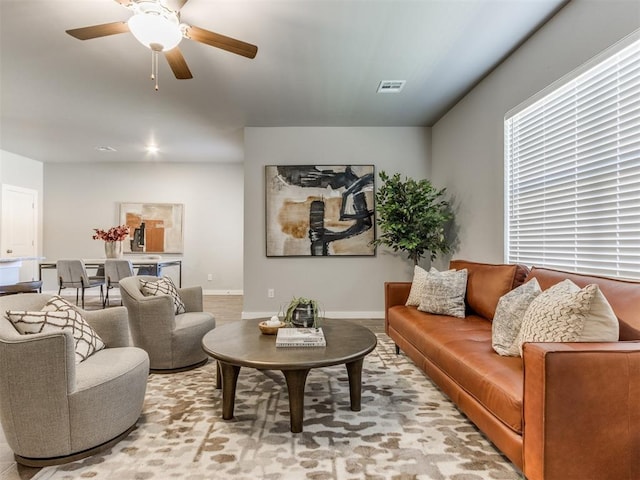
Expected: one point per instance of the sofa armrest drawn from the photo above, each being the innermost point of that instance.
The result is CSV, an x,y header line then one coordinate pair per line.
x,y
581,410
111,324
395,293
192,298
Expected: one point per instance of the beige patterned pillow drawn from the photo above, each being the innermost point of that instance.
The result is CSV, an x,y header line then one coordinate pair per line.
x,y
508,317
444,292
567,313
86,339
417,285
163,286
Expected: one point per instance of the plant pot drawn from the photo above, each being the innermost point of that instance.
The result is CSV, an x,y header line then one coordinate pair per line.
x,y
304,316
113,249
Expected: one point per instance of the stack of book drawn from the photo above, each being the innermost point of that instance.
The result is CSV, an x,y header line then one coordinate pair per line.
x,y
300,337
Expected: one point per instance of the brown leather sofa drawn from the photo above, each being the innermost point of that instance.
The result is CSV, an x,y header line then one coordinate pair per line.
x,y
564,410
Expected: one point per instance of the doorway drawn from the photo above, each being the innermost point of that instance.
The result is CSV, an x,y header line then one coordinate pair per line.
x,y
19,227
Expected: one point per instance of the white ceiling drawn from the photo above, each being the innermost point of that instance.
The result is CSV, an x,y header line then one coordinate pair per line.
x,y
319,63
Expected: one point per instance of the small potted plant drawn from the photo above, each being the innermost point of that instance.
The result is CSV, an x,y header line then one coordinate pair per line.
x,y
302,312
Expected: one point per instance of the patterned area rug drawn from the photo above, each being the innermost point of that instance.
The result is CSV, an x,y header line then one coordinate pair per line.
x,y
406,429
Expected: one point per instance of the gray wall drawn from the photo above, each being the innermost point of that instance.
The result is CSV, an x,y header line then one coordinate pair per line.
x,y
468,142
344,286
81,197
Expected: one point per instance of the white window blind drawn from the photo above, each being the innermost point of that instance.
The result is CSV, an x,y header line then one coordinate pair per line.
x,y
572,169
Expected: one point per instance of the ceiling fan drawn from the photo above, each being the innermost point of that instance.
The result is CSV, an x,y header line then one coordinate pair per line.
x,y
157,26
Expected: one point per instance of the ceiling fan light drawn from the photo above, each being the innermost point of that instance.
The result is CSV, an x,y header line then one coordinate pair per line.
x,y
151,28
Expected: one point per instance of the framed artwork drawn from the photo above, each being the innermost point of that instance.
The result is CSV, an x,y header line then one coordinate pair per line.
x,y
317,210
153,227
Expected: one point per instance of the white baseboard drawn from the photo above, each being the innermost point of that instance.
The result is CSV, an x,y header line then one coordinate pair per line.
x,y
223,292
349,315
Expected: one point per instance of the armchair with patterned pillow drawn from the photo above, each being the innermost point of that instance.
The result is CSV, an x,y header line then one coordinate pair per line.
x,y
166,321
70,383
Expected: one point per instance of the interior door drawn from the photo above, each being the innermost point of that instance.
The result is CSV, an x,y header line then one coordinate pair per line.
x,y
18,232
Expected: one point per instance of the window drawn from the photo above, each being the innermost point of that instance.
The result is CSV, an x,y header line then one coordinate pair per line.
x,y
572,170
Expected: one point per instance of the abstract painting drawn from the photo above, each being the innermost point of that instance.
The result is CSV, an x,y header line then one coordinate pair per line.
x,y
153,227
317,210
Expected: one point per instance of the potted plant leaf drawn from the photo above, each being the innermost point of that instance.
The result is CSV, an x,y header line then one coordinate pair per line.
x,y
302,312
412,216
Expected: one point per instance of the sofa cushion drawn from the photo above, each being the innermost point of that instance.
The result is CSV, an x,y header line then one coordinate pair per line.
x,y
163,286
443,293
486,283
508,317
622,295
568,313
461,348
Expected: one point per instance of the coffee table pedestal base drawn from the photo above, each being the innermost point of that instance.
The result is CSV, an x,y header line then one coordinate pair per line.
x,y
296,380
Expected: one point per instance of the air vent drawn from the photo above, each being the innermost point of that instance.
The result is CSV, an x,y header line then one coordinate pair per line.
x,y
391,86
104,148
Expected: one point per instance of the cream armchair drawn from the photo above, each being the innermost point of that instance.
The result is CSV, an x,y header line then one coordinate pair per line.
x,y
53,410
173,341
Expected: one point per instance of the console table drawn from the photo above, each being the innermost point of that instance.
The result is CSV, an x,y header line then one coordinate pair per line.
x,y
154,265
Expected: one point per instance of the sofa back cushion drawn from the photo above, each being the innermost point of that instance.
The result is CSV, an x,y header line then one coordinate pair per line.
x,y
486,283
622,295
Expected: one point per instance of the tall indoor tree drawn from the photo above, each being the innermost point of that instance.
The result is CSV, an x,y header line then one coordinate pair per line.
x,y
412,216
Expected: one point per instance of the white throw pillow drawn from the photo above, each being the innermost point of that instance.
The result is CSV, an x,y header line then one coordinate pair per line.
x,y
508,317
417,285
568,313
443,293
163,286
58,315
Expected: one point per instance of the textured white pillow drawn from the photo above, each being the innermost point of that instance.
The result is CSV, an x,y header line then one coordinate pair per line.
x,y
508,317
567,313
417,285
163,286
443,293
58,315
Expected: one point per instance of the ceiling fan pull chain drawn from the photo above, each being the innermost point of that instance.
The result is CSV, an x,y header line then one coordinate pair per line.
x,y
154,67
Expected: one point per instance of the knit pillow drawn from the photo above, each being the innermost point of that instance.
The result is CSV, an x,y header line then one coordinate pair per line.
x,y
568,313
508,317
417,285
443,293
56,316
163,286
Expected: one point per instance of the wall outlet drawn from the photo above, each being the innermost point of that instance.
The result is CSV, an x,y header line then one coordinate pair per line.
x,y
210,276
271,293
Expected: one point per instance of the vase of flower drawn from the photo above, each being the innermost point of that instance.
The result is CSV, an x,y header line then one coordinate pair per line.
x,y
113,249
113,238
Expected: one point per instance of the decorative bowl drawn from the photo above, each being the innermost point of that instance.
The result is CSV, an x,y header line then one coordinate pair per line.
x,y
269,329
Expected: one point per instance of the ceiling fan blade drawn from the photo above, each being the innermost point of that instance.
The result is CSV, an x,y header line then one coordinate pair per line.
x,y
95,31
178,64
220,41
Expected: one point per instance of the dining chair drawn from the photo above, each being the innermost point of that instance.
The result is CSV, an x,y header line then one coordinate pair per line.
x,y
73,274
115,269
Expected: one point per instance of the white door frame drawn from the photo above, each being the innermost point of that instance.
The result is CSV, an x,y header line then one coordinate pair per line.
x,y
28,269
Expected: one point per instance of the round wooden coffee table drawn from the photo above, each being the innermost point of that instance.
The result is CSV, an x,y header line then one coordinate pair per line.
x,y
241,344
